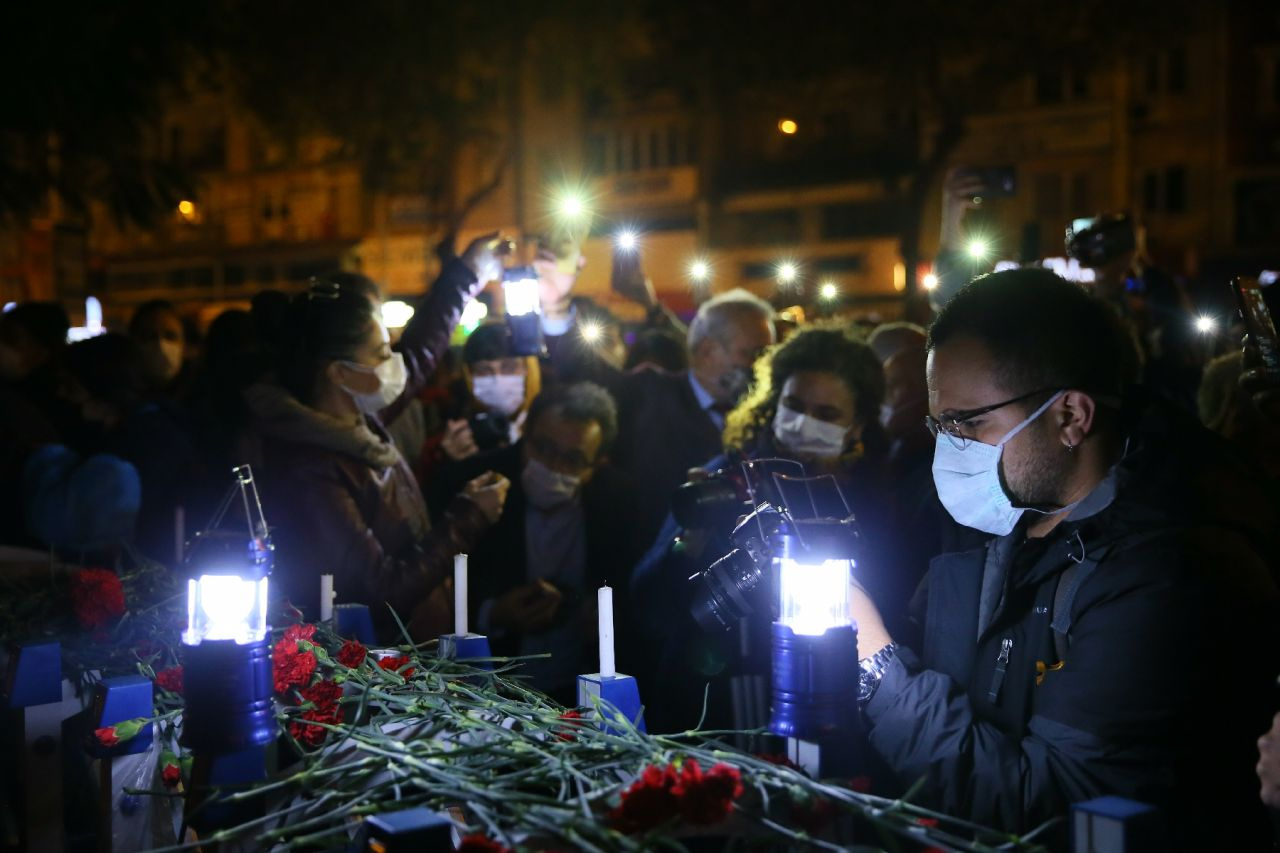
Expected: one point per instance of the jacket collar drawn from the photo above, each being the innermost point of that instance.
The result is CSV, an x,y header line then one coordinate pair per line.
x,y
278,414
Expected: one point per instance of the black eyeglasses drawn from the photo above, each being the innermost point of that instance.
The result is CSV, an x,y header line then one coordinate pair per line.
x,y
951,424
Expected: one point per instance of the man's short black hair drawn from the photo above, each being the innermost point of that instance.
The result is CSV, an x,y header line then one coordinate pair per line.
x,y
581,402
489,342
1044,331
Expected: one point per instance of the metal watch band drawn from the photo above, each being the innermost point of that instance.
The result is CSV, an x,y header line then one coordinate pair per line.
x,y
871,671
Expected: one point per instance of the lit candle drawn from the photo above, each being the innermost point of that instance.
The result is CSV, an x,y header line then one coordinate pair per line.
x,y
460,595
607,667
326,597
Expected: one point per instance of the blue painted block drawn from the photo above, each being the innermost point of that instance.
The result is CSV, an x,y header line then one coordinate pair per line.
x,y
620,691
416,830
35,675
466,647
354,622
115,700
1116,825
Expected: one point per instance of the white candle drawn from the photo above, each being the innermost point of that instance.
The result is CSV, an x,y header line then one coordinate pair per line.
x,y
607,667
179,534
326,597
460,595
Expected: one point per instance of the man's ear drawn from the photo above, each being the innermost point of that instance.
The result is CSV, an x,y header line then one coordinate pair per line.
x,y
1076,412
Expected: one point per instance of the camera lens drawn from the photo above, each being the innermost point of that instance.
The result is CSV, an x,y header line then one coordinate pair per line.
x,y
722,593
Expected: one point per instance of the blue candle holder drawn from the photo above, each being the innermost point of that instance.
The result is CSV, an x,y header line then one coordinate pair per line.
x,y
1116,825
115,700
466,647
353,621
411,830
35,675
617,695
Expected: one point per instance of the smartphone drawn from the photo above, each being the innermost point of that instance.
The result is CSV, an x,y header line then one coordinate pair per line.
x,y
626,278
996,181
1257,320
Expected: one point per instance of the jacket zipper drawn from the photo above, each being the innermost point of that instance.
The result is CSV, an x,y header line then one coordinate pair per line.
x,y
1002,664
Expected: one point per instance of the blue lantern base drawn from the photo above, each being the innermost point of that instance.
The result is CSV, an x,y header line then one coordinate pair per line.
x,y
227,688
619,691
35,675
466,647
815,683
115,700
354,621
206,808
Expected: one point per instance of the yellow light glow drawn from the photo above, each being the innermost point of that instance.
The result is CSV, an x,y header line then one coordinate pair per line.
x,y
187,209
829,290
590,332
929,282
787,272
396,314
572,206
699,270
978,249
788,126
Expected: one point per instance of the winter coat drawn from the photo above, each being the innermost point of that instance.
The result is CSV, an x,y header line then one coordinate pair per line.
x,y
1129,652
342,501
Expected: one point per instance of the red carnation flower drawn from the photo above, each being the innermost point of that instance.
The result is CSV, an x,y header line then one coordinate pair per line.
x,y
324,696
648,802
395,662
290,667
107,736
97,597
171,775
352,653
300,632
707,798
477,843
170,679
574,719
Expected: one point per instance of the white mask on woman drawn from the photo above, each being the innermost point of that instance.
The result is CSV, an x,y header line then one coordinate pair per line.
x,y
808,436
392,379
502,393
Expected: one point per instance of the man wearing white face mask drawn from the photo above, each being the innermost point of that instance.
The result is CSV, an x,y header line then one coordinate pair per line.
x,y
1115,635
565,532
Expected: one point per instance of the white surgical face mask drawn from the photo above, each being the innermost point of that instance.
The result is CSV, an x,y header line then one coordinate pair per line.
x,y
807,435
547,489
392,379
503,394
968,480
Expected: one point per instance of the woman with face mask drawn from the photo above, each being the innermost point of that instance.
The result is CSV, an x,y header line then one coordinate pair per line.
x,y
337,490
815,401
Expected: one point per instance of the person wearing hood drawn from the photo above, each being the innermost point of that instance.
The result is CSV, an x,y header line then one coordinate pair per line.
x,y
565,532
157,330
815,401
336,489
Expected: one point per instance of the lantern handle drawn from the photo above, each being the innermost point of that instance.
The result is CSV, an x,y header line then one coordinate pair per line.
x,y
257,525
747,466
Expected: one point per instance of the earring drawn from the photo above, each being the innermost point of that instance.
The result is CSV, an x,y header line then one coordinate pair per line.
x,y
1070,447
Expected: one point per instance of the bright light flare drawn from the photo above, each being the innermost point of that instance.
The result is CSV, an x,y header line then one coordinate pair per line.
x,y
473,315
187,209
1206,325
787,272
788,126
571,206
226,607
829,291
627,240
591,332
929,282
813,597
699,270
978,249
396,314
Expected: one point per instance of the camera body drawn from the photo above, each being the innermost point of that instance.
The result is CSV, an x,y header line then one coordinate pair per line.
x,y
489,430
1095,241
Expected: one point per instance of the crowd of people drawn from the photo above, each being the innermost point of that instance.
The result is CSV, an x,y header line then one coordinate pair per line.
x,y
1067,581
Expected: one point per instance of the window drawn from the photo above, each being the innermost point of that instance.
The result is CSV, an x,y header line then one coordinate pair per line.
x,y
1048,199
1175,189
1175,79
859,219
1049,87
1151,191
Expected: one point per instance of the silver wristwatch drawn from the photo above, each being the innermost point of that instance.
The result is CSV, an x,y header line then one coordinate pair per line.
x,y
871,670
